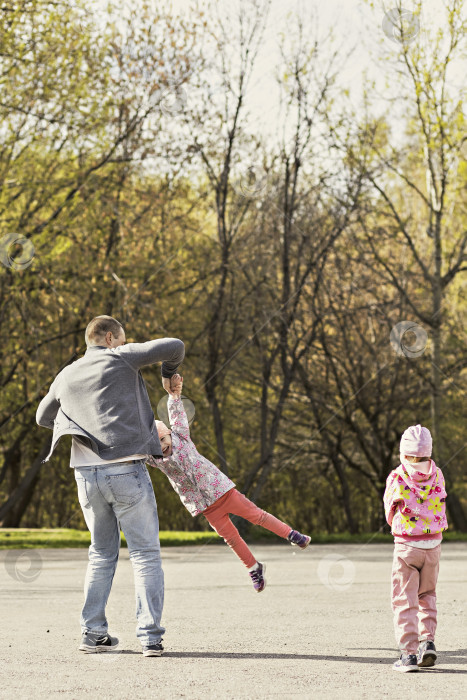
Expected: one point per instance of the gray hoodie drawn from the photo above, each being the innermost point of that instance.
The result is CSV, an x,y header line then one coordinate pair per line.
x,y
102,399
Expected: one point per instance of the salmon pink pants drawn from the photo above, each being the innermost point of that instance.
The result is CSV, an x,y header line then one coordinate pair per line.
x,y
236,503
414,576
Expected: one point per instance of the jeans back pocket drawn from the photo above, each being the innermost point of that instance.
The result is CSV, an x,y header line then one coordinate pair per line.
x,y
125,488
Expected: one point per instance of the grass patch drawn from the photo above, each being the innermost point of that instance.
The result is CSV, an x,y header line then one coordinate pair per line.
x,y
22,538
61,537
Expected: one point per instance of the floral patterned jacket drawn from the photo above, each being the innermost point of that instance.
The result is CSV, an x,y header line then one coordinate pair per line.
x,y
198,482
415,503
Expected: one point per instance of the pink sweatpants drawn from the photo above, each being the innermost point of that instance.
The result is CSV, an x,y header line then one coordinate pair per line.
x,y
414,576
236,503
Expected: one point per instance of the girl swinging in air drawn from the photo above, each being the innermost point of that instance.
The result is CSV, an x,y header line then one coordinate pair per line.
x,y
203,488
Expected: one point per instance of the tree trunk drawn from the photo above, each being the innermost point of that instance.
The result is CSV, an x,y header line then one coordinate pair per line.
x,y
345,496
218,427
454,506
12,511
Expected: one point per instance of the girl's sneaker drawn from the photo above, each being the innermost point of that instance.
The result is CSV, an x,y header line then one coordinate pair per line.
x,y
407,662
257,576
296,538
427,654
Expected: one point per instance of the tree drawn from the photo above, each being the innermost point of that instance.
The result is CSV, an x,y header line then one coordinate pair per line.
x,y
417,230
81,110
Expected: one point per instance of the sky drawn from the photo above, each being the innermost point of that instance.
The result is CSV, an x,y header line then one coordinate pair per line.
x,y
357,28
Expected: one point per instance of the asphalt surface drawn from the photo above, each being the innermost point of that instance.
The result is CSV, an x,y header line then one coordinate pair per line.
x,y
322,628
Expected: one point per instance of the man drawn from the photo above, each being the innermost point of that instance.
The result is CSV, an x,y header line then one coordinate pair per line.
x,y
102,401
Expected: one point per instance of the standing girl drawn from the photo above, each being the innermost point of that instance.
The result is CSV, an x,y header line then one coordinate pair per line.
x,y
415,507
203,488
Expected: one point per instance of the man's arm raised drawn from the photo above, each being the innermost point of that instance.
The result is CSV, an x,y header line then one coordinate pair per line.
x,y
169,351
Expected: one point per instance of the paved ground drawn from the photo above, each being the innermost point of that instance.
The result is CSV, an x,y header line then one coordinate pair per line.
x,y
321,629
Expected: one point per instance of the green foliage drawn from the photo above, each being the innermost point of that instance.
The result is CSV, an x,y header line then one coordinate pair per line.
x,y
285,299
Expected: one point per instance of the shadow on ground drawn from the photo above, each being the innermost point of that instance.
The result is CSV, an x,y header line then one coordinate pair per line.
x,y
450,657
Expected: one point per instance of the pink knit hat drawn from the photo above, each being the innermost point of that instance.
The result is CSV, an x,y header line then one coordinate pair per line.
x,y
416,441
162,429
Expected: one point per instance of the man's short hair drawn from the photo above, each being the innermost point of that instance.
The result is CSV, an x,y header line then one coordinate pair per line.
x,y
99,327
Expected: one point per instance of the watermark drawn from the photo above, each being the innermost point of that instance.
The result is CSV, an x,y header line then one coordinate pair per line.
x,y
174,99
16,251
252,182
336,572
400,25
408,339
162,409
24,566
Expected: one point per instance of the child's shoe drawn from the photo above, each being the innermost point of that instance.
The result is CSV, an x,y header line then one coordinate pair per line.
x,y
296,538
407,662
257,576
427,654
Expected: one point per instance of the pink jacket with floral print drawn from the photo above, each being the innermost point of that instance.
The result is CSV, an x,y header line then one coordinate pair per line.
x,y
198,482
415,503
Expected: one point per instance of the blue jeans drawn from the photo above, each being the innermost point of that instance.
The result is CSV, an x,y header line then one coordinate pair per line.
x,y
115,496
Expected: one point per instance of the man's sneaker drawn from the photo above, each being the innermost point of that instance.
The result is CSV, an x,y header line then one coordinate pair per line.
x,y
93,643
153,649
296,538
427,654
407,662
257,576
